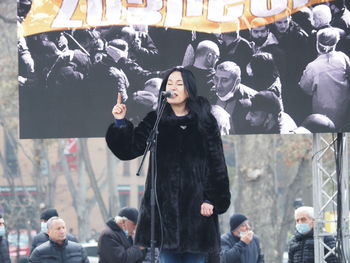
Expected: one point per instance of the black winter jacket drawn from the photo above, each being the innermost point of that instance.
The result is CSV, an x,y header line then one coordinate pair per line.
x,y
191,169
233,250
114,246
301,248
4,251
42,237
51,252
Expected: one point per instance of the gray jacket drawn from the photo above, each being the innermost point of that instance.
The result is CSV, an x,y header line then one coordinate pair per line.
x,y
233,250
51,252
42,237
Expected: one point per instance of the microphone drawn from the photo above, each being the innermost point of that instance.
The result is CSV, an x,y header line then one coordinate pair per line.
x,y
167,94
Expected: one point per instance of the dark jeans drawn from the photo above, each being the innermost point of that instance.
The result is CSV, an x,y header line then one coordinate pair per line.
x,y
169,257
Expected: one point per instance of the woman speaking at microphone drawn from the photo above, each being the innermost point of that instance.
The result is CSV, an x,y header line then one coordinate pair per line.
x,y
192,185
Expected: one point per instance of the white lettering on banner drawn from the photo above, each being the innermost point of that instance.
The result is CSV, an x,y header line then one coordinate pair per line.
x,y
173,13
63,18
147,13
151,12
113,11
225,10
95,13
194,8
268,7
299,3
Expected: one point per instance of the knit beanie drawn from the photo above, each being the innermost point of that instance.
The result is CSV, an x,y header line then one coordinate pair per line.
x,y
48,213
236,220
130,213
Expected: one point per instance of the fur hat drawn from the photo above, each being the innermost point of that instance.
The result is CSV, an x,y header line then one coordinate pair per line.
x,y
236,220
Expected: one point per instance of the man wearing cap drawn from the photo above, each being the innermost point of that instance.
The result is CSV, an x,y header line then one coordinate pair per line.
x,y
115,243
265,115
43,236
240,245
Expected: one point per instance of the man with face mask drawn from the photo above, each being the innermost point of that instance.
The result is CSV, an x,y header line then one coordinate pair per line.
x,y
116,240
301,247
4,248
240,244
42,237
232,94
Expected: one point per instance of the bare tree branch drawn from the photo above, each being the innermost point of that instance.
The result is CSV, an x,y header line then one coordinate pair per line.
x,y
92,177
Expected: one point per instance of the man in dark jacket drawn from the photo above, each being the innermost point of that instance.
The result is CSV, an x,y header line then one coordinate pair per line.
x,y
240,245
301,247
115,243
43,236
4,248
58,249
205,58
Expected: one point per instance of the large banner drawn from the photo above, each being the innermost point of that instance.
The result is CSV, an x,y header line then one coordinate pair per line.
x,y
273,66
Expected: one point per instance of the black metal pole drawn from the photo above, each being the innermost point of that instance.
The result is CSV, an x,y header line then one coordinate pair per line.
x,y
152,147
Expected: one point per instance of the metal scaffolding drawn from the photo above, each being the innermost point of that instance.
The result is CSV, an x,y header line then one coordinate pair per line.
x,y
330,189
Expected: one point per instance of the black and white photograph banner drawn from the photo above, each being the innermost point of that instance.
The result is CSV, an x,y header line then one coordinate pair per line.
x,y
266,67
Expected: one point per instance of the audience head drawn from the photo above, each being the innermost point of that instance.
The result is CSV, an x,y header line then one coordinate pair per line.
x,y
304,219
259,30
322,16
227,78
327,39
263,69
318,123
56,229
264,110
206,54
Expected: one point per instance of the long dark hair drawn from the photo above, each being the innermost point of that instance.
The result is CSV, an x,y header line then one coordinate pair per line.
x,y
198,106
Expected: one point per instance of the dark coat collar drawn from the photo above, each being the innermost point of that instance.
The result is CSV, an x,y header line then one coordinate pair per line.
x,y
169,118
58,245
113,225
299,236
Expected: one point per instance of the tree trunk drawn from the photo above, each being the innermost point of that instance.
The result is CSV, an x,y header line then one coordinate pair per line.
x,y
256,197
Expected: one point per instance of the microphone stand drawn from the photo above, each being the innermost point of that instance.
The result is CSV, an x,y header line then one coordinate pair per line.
x,y
152,147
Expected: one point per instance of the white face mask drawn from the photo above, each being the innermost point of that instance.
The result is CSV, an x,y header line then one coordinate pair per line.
x,y
2,231
327,49
229,95
43,227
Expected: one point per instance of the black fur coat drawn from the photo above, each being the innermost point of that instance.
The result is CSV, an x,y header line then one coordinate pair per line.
x,y
191,169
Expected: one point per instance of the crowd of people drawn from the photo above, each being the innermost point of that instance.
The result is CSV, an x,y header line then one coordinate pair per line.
x,y
297,68
116,241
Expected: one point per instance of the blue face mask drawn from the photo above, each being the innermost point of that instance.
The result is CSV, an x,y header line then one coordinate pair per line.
x,y
43,227
303,228
126,232
2,231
